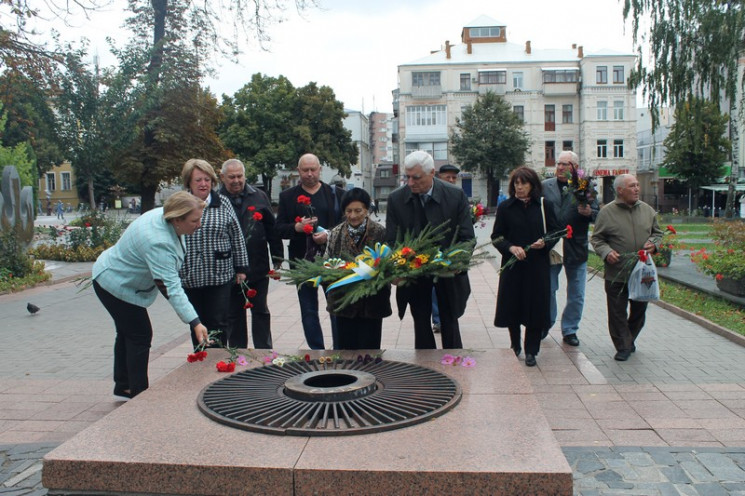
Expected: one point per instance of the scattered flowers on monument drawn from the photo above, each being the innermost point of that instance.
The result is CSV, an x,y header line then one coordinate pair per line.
x,y
379,266
727,259
457,360
567,232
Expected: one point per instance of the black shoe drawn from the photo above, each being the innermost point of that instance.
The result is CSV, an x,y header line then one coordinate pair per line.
x,y
121,394
622,355
517,351
530,360
633,348
571,340
436,328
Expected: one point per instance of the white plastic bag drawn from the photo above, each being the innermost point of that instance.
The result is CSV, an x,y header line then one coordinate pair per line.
x,y
643,282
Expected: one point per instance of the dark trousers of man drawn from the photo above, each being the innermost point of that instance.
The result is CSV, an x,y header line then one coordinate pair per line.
x,y
420,303
623,326
134,334
261,331
308,297
359,334
211,304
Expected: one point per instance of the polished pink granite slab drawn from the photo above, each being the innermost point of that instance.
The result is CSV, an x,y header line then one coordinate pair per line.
x,y
495,441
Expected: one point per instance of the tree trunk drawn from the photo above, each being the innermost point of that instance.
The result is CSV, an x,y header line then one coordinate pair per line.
x,y
91,195
729,210
148,197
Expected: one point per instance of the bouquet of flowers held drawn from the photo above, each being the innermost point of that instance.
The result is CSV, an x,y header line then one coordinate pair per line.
x,y
378,267
477,211
581,185
563,233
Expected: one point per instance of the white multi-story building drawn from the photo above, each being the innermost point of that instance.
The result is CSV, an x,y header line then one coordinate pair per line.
x,y
362,171
567,99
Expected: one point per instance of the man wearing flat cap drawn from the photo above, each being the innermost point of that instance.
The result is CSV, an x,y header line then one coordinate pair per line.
x,y
448,173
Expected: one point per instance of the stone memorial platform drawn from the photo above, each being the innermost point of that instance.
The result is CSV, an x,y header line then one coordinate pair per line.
x,y
494,441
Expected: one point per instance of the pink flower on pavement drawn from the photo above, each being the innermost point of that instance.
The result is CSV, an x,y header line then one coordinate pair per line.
x,y
447,359
242,361
469,362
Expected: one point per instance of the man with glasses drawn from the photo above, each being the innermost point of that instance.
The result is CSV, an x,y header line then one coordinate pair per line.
x,y
574,258
432,202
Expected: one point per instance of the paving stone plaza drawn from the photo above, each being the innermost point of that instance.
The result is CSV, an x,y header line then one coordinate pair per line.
x,y
671,420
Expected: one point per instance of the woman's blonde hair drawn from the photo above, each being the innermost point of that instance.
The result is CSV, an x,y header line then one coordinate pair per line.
x,y
181,204
202,165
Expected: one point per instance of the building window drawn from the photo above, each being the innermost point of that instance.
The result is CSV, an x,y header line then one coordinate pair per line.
x,y
425,79
601,74
602,148
602,111
618,74
519,111
51,183
66,182
385,173
563,76
618,148
618,110
550,119
426,115
550,149
567,114
493,77
567,145
440,151
517,80
485,32
465,82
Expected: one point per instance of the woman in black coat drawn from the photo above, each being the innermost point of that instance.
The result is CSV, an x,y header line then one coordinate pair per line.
x,y
359,325
524,287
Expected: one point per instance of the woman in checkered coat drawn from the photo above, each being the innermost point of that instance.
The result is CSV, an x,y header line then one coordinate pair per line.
x,y
215,254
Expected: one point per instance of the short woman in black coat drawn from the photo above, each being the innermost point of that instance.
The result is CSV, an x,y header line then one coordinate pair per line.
x,y
524,288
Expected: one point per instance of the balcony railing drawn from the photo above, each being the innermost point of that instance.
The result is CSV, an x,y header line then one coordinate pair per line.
x,y
426,92
559,89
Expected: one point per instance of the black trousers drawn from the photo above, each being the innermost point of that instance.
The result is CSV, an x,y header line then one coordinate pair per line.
x,y
211,304
134,335
420,304
359,334
533,338
261,331
625,317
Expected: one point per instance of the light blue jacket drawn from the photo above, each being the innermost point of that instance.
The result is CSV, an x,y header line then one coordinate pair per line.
x,y
146,258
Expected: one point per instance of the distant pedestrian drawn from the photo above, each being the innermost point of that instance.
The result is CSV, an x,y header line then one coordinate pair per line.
x,y
60,210
624,227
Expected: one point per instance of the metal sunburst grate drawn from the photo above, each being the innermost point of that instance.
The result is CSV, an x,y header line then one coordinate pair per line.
x,y
329,399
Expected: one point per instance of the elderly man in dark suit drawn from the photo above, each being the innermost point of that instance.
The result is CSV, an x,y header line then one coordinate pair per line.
x,y
426,200
254,212
574,251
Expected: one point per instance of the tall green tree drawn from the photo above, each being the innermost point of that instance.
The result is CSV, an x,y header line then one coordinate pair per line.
x,y
696,145
30,120
269,124
694,47
259,122
489,137
180,37
16,155
320,128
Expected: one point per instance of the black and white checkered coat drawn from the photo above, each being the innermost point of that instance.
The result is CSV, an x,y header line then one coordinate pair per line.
x,y
216,251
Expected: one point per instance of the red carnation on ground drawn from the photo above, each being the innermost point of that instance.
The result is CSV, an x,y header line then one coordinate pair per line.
x,y
257,216
308,229
225,367
197,356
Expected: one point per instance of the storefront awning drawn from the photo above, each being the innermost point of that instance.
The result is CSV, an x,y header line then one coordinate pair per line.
x,y
723,187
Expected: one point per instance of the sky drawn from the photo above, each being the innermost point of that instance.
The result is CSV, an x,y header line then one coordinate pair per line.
x,y
355,46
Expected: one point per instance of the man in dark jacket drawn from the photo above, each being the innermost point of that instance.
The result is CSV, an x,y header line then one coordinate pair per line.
x,y
306,212
425,200
574,258
254,212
